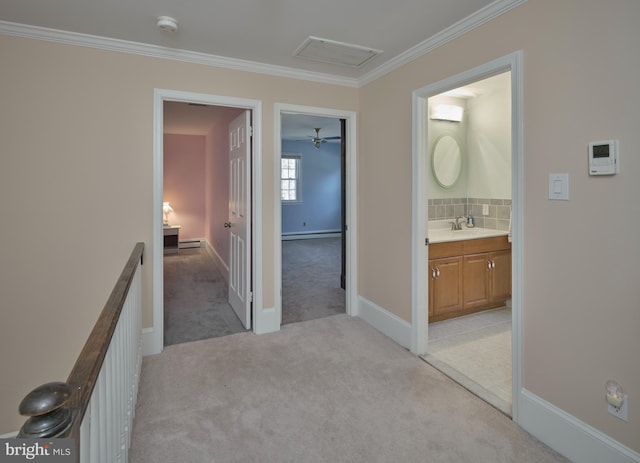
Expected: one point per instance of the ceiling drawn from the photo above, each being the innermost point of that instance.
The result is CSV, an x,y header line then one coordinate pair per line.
x,y
261,32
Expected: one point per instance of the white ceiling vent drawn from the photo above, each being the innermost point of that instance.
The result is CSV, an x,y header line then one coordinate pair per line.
x,y
330,51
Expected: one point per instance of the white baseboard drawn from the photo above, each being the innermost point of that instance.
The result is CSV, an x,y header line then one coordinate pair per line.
x,y
384,321
224,268
149,342
568,435
269,321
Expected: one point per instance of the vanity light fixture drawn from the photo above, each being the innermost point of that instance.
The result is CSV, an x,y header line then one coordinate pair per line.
x,y
447,112
166,209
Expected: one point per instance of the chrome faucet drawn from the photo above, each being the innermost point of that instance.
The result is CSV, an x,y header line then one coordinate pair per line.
x,y
457,225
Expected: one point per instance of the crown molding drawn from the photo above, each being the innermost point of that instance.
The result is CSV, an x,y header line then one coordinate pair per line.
x,y
480,17
154,51
472,21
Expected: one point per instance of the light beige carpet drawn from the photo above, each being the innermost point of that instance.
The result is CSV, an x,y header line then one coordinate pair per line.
x,y
326,390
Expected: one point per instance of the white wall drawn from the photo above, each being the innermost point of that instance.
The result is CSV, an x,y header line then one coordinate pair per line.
x,y
458,130
489,143
484,136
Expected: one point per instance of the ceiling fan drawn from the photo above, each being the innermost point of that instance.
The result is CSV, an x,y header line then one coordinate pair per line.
x,y
317,140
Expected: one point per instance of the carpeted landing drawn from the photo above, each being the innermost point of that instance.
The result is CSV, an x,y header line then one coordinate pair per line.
x,y
327,390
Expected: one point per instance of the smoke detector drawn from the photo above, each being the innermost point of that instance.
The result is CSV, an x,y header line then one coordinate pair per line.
x,y
167,23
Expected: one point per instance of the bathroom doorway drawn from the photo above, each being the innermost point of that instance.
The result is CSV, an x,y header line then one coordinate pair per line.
x,y
468,160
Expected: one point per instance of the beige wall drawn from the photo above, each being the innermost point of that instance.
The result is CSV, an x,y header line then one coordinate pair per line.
x,y
76,137
76,186
581,72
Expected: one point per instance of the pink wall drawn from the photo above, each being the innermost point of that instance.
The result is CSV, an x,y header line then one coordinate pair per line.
x,y
217,183
184,183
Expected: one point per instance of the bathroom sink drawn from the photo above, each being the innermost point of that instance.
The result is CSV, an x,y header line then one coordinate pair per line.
x,y
441,235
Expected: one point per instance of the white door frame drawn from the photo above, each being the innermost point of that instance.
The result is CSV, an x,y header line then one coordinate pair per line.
x,y
153,338
419,296
350,202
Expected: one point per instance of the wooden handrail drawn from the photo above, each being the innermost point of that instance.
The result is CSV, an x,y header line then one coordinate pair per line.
x,y
84,374
52,398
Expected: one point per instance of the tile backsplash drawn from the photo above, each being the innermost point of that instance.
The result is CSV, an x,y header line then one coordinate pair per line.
x,y
450,208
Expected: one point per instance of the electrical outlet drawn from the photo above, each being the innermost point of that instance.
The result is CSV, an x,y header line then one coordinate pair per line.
x,y
623,411
485,209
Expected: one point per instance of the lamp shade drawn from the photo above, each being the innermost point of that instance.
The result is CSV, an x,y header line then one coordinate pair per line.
x,y
166,209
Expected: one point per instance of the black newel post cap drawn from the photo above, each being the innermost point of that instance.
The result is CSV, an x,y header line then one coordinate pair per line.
x,y
45,399
45,407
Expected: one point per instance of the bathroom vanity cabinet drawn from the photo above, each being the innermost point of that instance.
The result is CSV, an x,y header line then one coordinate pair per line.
x,y
468,276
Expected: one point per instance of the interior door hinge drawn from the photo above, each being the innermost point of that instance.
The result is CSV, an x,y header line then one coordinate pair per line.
x,y
250,296
426,241
251,131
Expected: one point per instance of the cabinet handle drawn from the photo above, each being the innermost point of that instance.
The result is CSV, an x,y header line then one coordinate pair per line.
x,y
437,272
489,264
493,264
433,273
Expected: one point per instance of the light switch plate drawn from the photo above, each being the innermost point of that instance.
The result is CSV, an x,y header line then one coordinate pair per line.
x,y
559,187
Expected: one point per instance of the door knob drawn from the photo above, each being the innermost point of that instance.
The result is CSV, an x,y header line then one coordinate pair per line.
x,y
227,225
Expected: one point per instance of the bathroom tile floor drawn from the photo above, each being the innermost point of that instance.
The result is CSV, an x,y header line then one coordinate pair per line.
x,y
475,351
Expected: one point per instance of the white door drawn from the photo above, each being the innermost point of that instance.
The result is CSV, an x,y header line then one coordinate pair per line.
x,y
239,218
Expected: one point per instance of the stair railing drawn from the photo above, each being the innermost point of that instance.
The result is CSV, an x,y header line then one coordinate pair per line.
x,y
96,405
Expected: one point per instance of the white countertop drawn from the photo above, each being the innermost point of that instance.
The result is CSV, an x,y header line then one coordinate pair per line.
x,y
440,232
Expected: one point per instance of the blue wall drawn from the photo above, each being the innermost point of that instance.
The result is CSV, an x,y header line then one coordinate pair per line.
x,y
320,175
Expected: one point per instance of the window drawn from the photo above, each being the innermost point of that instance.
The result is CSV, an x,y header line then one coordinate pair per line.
x,y
290,191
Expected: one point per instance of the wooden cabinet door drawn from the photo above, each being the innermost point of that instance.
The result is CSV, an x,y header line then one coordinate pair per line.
x,y
476,283
445,287
500,276
431,278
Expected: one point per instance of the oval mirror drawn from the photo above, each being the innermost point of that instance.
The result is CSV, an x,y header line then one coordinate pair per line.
x,y
446,161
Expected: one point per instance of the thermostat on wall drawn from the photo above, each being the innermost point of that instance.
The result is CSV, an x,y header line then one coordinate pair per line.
x,y
603,158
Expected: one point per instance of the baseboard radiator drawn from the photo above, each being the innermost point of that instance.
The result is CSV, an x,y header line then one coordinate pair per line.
x,y
311,235
96,405
184,244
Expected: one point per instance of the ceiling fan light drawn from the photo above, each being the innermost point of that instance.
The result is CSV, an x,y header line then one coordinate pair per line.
x,y
317,140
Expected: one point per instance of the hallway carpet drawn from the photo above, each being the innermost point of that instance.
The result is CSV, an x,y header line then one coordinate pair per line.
x,y
311,279
195,299
326,390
